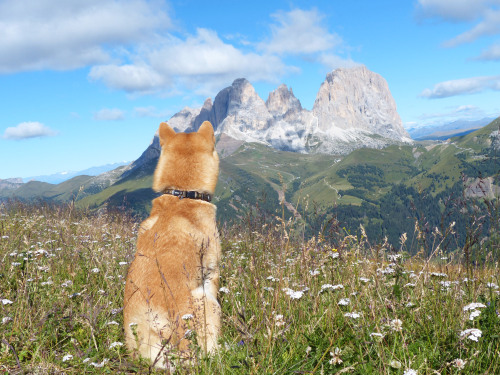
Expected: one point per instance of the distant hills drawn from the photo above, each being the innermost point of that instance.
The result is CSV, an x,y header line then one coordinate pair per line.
x,y
57,178
445,131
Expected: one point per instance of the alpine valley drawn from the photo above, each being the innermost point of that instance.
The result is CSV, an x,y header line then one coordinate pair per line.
x,y
347,162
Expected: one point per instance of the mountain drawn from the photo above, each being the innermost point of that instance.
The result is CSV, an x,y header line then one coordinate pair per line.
x,y
448,130
384,189
353,109
10,183
57,178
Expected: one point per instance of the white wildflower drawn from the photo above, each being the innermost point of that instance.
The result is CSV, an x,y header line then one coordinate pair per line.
x,y
459,363
330,287
472,334
6,319
394,257
344,301
396,325
67,357
112,323
224,290
293,294
364,280
104,361
279,320
67,283
474,314
353,315
314,272
376,334
269,288
336,357
410,372
187,316
115,344
386,271
133,324
6,301
123,263
94,270
473,306
492,285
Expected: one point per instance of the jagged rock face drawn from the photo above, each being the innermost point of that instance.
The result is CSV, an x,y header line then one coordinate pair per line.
x,y
282,101
354,108
184,119
246,113
357,98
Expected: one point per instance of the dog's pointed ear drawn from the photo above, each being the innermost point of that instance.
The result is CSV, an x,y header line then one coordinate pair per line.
x,y
207,131
166,132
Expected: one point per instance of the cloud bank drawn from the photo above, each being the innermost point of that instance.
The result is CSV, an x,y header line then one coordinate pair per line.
x,y
462,87
27,130
132,45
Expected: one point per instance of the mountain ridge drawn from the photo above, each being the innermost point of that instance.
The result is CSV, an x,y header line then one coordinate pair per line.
x,y
353,108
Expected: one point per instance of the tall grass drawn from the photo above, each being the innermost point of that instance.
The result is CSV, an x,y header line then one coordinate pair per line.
x,y
290,306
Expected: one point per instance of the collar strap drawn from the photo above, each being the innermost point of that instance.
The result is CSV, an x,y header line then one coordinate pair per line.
x,y
189,194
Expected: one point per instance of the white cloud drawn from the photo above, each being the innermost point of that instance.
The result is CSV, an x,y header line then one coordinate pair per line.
x,y
453,10
300,32
492,53
128,45
139,78
26,130
489,25
109,114
462,87
53,34
202,62
332,61
486,11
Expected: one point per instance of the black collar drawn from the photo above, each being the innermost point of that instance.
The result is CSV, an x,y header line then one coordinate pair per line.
x,y
189,194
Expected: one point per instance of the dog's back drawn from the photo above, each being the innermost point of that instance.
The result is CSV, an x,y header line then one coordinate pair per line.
x,y
172,283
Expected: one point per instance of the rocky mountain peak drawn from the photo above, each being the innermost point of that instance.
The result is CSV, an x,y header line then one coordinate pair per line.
x,y
282,100
353,108
357,98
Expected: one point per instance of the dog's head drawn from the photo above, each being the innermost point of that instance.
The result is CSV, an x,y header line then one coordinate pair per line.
x,y
188,161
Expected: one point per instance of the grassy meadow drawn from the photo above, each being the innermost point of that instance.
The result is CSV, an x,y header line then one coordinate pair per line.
x,y
290,305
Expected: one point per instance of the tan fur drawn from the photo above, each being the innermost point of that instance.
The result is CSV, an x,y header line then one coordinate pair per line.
x,y
175,270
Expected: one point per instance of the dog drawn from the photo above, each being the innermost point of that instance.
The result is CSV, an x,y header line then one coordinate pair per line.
x,y
172,283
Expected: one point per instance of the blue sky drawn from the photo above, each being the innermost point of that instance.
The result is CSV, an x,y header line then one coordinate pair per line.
x,y
86,82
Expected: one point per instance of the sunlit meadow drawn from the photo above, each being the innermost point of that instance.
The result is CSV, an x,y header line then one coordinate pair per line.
x,y
290,305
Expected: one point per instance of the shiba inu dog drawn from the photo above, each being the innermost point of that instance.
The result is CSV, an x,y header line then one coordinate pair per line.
x,y
172,284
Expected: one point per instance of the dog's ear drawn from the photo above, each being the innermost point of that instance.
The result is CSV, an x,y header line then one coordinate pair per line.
x,y
166,132
207,131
